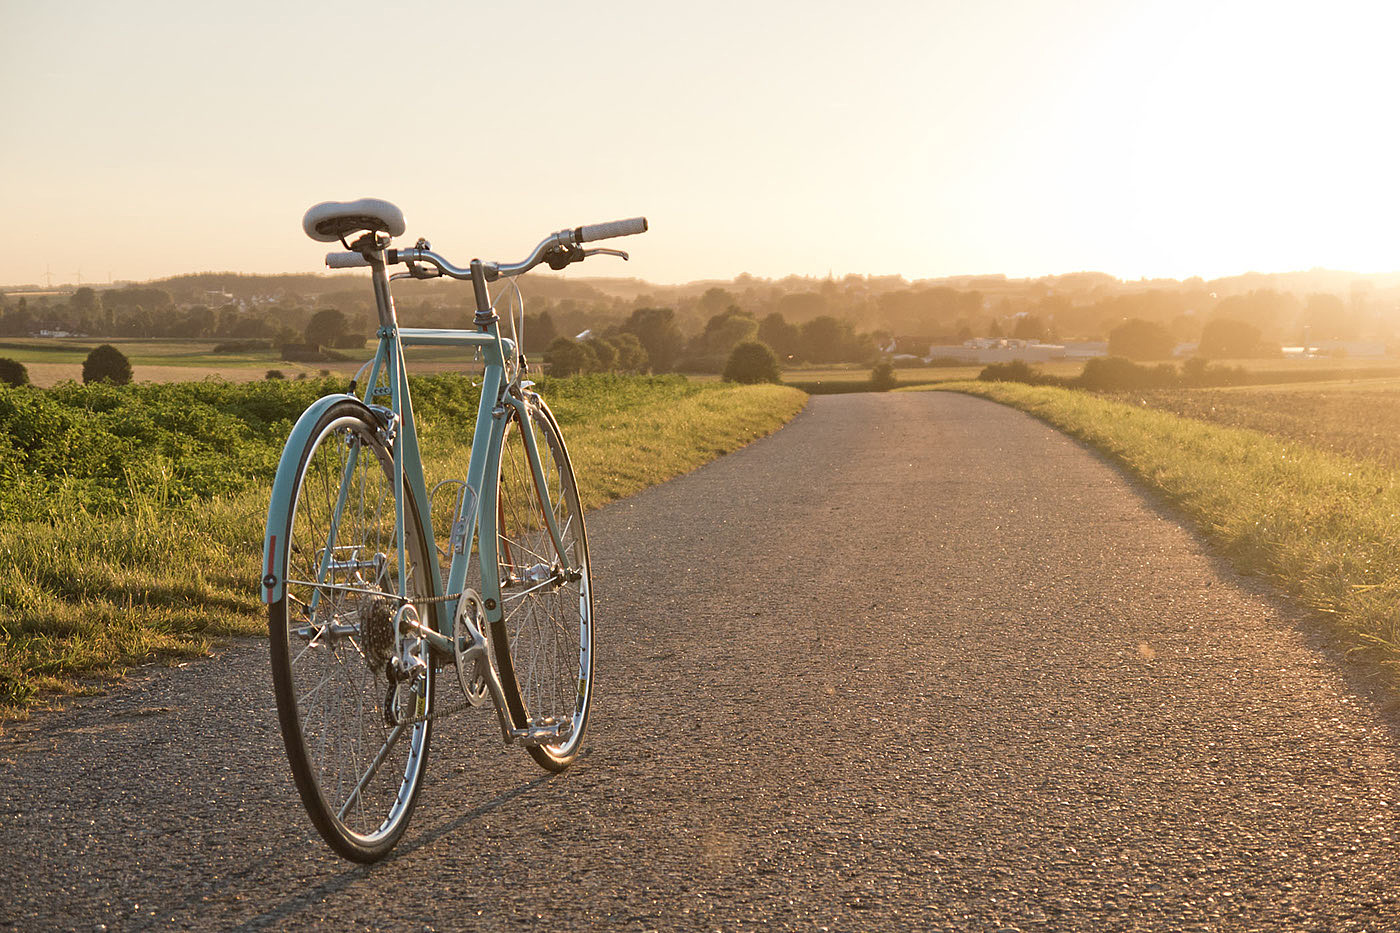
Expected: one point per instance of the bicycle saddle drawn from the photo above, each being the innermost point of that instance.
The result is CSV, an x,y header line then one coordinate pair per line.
x,y
330,221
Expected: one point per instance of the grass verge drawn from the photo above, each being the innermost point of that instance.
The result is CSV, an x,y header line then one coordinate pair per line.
x,y
1319,526
101,573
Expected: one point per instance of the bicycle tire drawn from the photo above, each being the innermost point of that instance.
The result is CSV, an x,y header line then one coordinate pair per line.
x,y
543,642
330,654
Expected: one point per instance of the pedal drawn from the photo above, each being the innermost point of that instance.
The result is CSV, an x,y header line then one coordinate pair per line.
x,y
546,732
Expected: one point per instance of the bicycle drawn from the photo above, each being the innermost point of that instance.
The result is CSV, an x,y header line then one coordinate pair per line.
x,y
362,614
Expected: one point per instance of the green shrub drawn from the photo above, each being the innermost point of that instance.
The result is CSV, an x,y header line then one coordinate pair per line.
x,y
275,374
1114,373
1016,371
241,346
12,372
1198,372
107,364
882,377
751,362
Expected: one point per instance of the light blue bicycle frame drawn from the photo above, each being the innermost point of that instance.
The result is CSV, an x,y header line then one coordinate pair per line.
x,y
493,415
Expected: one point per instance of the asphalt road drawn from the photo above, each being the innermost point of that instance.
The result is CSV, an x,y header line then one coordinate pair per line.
x,y
914,662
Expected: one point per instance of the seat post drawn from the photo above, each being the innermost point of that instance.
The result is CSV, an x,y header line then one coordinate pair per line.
x,y
383,300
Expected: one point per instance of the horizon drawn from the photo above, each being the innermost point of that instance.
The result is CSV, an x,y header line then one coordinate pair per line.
x,y
1164,141
61,287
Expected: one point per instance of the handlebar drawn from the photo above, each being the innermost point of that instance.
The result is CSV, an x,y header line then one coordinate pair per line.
x,y
614,228
348,260
558,249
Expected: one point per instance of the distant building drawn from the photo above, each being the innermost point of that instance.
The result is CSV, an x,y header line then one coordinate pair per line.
x,y
993,350
1085,349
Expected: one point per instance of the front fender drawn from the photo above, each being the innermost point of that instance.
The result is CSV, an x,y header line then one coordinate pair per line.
x,y
283,489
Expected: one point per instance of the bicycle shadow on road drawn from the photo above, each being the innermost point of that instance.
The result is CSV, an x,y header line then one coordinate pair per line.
x,y
275,916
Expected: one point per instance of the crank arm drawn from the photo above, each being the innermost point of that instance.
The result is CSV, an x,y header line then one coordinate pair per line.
x,y
477,652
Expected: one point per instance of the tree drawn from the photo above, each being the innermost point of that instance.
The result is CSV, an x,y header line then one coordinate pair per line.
x,y
1030,327
751,362
826,339
1268,311
1229,339
784,338
631,355
199,321
12,372
606,353
18,322
724,331
107,364
714,301
540,330
659,334
1325,317
568,357
84,301
1141,340
326,327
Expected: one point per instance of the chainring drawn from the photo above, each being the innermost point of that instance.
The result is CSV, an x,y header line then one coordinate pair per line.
x,y
471,674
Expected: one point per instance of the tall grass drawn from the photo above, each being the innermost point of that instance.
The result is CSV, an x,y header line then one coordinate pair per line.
x,y
131,519
1320,526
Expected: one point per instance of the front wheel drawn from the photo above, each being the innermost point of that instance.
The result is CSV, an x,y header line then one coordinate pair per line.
x,y
543,643
354,716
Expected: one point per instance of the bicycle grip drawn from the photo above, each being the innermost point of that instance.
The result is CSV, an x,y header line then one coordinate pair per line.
x,y
348,260
614,228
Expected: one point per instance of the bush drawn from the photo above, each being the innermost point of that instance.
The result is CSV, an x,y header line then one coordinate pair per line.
x,y
1198,372
275,374
309,353
241,346
1016,371
751,362
1113,373
107,364
882,377
12,372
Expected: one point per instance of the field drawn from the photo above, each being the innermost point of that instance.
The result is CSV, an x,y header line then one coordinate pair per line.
x,y
131,518
53,360
1359,418
1298,484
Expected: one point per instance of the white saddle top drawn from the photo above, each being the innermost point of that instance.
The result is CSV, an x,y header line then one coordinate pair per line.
x,y
330,221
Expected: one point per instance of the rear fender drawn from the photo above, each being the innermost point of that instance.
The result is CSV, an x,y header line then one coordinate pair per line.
x,y
273,584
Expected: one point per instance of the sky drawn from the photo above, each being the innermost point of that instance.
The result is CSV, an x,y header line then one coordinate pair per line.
x,y
923,139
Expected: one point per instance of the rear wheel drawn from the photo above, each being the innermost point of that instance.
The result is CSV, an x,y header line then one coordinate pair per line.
x,y
543,643
353,716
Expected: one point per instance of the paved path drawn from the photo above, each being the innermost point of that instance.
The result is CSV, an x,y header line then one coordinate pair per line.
x,y
914,662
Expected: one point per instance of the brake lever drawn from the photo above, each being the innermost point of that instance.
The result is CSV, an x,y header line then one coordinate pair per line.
x,y
600,251
417,271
